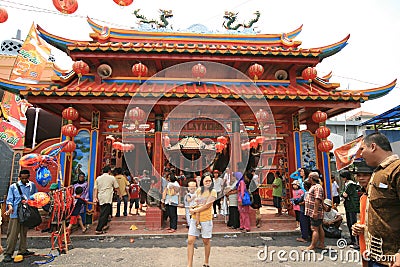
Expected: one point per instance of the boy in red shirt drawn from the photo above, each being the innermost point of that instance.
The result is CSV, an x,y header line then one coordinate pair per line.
x,y
134,195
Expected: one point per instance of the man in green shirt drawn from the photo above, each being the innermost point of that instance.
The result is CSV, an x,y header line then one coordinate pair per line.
x,y
277,193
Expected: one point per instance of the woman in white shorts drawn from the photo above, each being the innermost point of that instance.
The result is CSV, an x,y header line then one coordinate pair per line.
x,y
205,196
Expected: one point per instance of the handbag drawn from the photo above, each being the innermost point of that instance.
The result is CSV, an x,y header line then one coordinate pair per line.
x,y
332,231
27,215
246,201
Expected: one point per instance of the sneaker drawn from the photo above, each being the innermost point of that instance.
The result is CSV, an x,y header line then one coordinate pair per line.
x,y
215,215
27,253
7,258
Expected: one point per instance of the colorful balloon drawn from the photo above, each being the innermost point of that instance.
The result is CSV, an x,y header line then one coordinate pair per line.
x,y
55,149
30,160
39,199
43,176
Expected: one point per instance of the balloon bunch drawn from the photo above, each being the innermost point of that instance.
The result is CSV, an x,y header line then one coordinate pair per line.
x,y
41,162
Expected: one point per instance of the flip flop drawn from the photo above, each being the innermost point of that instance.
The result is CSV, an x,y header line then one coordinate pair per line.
x,y
100,232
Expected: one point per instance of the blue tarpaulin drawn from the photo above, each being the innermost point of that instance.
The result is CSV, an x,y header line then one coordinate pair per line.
x,y
388,119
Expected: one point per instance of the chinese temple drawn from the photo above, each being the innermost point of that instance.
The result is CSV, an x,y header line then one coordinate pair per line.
x,y
134,80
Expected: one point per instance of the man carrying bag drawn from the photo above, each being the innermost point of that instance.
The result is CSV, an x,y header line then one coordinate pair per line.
x,y
15,228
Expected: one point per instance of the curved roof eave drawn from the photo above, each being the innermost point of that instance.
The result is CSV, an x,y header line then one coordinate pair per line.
x,y
329,50
374,93
56,41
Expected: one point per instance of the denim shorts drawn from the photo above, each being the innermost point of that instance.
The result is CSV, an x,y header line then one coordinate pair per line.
x,y
206,229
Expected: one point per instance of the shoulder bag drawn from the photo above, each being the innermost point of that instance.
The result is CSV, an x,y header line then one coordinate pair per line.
x,y
27,215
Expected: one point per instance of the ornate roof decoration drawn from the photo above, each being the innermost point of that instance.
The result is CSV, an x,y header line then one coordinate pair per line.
x,y
231,19
169,88
163,23
191,143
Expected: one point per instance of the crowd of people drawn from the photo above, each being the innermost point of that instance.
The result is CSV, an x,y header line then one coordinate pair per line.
x,y
370,191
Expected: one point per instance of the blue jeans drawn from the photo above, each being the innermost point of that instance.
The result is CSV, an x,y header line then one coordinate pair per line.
x,y
125,199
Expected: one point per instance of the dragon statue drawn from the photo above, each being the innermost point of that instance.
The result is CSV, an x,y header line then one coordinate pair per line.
x,y
231,18
163,23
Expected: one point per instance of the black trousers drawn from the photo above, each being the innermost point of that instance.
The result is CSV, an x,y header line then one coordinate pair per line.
x,y
172,213
351,218
105,211
216,203
234,217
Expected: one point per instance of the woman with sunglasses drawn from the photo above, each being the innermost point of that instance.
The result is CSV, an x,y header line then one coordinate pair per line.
x,y
205,196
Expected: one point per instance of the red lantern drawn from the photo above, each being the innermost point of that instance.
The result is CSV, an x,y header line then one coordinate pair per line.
x,y
323,132
255,71
81,68
69,130
167,141
309,74
70,147
319,116
260,139
139,70
137,115
199,71
3,15
66,6
325,146
222,139
117,145
70,114
253,143
219,147
123,2
262,116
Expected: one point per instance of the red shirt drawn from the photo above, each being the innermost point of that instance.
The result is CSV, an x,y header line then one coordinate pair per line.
x,y
134,191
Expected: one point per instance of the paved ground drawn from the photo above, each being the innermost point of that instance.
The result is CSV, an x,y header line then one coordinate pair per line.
x,y
261,247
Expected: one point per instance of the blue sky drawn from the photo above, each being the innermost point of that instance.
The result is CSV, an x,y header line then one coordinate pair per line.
x,y
369,60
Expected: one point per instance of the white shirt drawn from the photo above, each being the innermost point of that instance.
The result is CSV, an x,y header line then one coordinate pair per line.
x,y
335,189
330,216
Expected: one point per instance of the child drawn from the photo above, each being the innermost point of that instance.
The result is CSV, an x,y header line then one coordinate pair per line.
x,y
297,193
190,201
134,195
75,217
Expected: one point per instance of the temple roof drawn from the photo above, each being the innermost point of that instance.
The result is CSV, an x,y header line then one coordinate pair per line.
x,y
117,40
281,90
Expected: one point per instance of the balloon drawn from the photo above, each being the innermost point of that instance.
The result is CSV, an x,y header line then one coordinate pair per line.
x,y
43,176
38,199
30,160
55,149
46,159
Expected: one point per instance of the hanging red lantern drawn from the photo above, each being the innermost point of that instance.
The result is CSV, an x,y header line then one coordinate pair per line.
x,y
255,71
309,74
253,143
3,15
81,68
139,70
199,71
66,6
69,130
70,147
219,147
262,116
322,132
222,139
137,115
117,145
70,114
167,141
325,146
123,2
319,116
260,139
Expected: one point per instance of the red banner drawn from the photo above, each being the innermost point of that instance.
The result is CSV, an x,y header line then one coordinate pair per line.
x,y
346,154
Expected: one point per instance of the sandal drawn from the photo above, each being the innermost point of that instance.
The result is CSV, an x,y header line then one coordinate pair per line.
x,y
100,232
84,230
171,231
